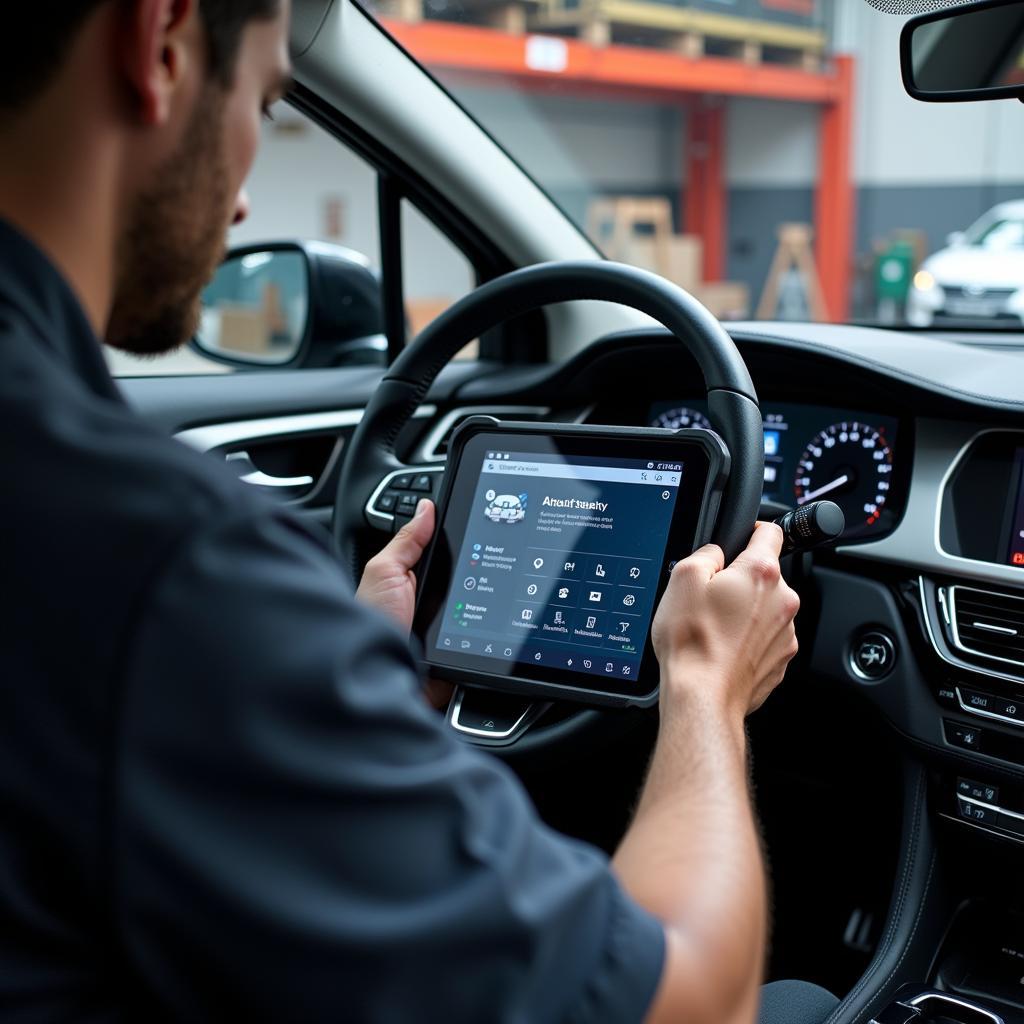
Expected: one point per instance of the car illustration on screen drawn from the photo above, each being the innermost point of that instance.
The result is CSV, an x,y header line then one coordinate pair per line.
x,y
506,508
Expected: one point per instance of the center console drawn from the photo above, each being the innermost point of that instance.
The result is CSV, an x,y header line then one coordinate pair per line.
x,y
940,654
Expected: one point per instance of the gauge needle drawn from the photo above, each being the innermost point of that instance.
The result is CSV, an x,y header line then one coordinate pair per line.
x,y
838,482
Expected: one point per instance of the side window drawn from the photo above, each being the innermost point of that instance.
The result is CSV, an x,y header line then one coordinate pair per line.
x,y
435,273
307,291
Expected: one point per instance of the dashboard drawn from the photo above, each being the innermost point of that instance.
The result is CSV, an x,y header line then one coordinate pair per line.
x,y
815,452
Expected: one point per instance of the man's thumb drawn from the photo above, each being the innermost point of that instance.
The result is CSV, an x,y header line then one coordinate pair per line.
x,y
411,540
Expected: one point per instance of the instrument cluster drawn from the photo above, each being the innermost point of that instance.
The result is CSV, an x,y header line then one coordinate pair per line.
x,y
813,452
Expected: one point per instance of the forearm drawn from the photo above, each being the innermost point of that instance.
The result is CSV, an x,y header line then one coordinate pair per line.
x,y
692,857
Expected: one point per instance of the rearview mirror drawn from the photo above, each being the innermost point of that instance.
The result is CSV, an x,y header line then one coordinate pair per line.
x,y
972,52
294,304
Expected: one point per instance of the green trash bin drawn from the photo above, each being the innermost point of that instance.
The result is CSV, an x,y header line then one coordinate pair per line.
x,y
894,270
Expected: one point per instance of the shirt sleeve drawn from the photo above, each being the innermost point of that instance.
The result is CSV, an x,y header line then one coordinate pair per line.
x,y
296,836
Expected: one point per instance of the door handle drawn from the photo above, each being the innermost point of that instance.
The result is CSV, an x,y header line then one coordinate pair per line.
x,y
258,478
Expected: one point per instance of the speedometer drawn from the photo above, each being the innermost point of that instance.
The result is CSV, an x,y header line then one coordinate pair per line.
x,y
850,464
676,419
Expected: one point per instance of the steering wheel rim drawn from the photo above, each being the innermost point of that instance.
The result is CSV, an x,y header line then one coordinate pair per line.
x,y
732,400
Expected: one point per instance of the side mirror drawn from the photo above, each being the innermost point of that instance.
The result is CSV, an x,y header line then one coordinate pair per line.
x,y
294,304
971,52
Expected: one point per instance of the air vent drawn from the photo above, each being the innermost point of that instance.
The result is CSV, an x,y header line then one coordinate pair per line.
x,y
988,624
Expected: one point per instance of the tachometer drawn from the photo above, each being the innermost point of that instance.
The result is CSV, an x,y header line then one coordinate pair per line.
x,y
850,464
677,419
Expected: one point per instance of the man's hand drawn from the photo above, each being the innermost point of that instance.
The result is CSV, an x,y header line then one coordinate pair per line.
x,y
389,583
727,635
692,855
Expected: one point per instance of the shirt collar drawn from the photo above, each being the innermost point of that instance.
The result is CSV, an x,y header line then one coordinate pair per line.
x,y
31,286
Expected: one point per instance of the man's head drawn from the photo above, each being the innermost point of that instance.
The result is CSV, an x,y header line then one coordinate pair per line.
x,y
176,89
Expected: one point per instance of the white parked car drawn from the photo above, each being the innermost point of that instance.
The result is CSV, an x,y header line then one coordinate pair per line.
x,y
978,276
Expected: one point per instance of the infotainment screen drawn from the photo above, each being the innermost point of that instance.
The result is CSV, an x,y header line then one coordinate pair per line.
x,y
1015,555
551,554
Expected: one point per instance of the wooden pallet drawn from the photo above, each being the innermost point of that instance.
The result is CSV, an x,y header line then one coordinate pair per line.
x,y
505,15
692,33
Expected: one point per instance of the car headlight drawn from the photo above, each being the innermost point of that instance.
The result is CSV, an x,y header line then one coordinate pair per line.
x,y
924,281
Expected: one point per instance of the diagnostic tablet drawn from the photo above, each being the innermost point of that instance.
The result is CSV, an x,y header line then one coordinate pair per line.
x,y
552,549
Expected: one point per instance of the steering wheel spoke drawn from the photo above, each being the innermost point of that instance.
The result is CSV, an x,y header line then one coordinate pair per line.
x,y
393,501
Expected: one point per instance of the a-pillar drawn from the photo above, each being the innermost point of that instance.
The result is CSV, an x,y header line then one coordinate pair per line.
x,y
836,196
706,193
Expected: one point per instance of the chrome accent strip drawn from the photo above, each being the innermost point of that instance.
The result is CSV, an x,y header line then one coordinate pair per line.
x,y
217,435
956,632
427,451
959,663
945,999
995,629
990,807
457,709
987,714
382,518
981,828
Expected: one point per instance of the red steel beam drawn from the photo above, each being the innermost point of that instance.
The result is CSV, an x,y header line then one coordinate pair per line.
x,y
706,188
835,201
439,44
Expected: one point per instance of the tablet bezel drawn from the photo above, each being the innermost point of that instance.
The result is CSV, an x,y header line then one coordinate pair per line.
x,y
696,509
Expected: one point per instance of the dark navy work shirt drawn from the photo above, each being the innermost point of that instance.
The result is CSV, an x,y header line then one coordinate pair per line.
x,y
222,796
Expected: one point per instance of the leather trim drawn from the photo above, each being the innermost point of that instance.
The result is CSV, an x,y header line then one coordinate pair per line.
x,y
896,953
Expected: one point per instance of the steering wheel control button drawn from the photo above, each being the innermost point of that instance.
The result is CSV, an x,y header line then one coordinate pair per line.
x,y
403,482
423,483
387,502
872,656
977,791
965,736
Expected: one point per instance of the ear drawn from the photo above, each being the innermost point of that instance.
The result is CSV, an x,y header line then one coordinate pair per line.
x,y
158,45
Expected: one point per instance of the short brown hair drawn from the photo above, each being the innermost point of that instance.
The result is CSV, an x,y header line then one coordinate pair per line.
x,y
36,38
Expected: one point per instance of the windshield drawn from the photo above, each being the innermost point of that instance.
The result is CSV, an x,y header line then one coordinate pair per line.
x,y
761,153
998,235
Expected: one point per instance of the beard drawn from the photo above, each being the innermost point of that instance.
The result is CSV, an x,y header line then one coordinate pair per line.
x,y
174,241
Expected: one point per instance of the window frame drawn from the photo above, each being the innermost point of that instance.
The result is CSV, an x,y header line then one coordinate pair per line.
x,y
523,340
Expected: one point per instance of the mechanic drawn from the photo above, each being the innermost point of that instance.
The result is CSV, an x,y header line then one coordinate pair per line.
x,y
223,794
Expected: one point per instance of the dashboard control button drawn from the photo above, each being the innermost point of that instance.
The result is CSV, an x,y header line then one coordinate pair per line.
x,y
1006,709
872,655
977,701
978,790
1013,709
946,695
966,736
977,813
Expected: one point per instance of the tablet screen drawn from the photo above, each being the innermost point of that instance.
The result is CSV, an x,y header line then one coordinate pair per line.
x,y
554,556
560,560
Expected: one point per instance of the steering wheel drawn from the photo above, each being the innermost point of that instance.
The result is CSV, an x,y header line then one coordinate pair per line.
x,y
370,461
